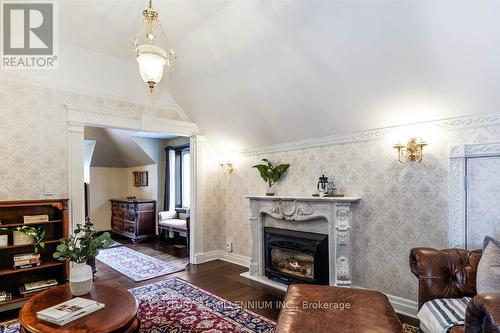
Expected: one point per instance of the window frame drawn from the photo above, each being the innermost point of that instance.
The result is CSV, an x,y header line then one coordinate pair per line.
x,y
178,171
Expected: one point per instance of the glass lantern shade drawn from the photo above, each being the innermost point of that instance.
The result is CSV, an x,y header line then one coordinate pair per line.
x,y
151,61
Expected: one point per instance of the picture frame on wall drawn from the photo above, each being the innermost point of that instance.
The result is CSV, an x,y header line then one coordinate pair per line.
x,y
141,178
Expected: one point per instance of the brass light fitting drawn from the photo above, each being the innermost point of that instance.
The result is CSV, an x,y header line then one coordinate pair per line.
x,y
412,151
227,168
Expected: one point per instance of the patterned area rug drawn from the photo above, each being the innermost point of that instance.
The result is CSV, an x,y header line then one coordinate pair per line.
x,y
177,306
137,266
11,326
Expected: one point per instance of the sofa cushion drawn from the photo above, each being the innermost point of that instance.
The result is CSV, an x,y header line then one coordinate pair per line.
x,y
168,215
488,269
174,223
441,314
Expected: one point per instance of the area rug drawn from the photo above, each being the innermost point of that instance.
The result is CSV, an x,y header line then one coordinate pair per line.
x,y
135,265
11,326
177,306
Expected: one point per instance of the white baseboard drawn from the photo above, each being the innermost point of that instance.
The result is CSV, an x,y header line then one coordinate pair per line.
x,y
401,305
233,258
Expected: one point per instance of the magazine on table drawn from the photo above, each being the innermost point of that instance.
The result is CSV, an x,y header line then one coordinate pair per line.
x,y
66,312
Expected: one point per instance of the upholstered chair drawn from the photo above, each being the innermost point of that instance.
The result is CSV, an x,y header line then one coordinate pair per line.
x,y
174,221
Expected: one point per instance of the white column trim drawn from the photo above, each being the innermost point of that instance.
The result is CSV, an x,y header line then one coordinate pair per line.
x,y
458,155
76,174
138,120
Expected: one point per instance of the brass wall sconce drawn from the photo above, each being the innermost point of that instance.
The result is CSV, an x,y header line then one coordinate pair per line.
x,y
412,151
227,168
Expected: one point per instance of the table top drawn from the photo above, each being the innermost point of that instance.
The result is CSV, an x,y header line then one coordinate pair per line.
x,y
120,309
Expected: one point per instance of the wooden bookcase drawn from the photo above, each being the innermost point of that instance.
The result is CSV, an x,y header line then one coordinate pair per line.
x,y
11,214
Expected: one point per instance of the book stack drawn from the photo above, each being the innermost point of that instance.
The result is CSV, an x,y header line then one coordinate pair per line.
x,y
25,260
5,296
29,289
66,312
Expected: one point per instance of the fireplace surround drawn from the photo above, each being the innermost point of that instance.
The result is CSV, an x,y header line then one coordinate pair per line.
x,y
295,256
319,215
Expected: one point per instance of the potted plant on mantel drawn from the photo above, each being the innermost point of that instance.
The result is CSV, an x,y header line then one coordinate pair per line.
x,y
271,174
79,247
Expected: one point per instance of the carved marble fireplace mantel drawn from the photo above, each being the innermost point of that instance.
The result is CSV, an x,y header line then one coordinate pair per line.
x,y
329,216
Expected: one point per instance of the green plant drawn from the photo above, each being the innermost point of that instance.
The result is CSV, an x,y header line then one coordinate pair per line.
x,y
270,173
37,233
83,244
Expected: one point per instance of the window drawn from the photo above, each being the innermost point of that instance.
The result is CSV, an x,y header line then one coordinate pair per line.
x,y
178,178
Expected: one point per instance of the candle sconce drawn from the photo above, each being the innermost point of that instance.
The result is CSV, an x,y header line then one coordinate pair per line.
x,y
412,151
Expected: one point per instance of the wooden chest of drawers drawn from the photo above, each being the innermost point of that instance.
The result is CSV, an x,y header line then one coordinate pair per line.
x,y
133,219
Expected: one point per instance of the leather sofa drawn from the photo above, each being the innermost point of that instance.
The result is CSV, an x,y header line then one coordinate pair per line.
x,y
323,309
451,273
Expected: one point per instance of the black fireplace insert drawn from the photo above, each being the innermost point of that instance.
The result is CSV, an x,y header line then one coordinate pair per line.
x,y
295,256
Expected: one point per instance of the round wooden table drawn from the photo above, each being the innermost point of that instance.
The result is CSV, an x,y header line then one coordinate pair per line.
x,y
118,316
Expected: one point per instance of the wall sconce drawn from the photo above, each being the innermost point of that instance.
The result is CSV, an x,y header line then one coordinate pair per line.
x,y
413,151
227,168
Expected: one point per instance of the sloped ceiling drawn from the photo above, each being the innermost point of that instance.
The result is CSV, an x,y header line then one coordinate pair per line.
x,y
253,73
117,148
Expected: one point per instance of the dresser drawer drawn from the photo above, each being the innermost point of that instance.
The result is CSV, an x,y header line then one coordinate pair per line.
x,y
132,217
129,227
117,225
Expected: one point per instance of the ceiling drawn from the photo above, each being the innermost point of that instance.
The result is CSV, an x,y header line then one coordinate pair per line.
x,y
260,72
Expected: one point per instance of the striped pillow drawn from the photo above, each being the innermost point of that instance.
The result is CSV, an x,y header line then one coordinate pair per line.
x,y
438,315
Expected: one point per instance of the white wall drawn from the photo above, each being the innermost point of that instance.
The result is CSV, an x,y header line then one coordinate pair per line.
x,y
117,183
105,184
143,192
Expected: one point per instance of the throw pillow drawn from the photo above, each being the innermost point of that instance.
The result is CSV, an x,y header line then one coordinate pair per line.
x,y
488,269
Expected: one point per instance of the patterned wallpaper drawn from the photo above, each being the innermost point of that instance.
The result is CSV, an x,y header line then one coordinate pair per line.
x,y
33,140
403,206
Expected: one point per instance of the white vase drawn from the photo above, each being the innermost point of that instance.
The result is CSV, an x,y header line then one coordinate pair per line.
x,y
80,279
20,238
270,191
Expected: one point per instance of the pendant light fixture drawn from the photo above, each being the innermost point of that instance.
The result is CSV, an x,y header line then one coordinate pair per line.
x,y
152,58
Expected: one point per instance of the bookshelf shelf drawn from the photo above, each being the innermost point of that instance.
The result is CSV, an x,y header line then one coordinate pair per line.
x,y
10,225
52,241
12,215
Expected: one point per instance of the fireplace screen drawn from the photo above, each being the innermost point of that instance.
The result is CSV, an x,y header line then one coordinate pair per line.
x,y
293,263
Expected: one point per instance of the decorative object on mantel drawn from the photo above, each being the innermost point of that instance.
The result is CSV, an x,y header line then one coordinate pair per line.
x,y
83,244
270,173
141,178
152,58
326,188
412,151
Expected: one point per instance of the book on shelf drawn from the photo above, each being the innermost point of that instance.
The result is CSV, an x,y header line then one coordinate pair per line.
x,y
36,218
40,284
26,293
5,296
35,264
66,312
26,256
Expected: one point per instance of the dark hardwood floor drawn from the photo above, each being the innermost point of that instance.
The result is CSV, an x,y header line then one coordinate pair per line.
x,y
218,277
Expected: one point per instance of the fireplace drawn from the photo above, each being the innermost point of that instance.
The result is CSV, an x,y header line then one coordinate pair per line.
x,y
295,256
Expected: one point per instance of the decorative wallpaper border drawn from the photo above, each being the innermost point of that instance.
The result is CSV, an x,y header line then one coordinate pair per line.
x,y
457,123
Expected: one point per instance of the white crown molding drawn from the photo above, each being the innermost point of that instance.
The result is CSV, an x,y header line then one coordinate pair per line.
x,y
129,119
81,89
458,123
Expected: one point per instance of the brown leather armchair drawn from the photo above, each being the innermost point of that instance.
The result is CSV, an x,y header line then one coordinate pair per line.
x,y
451,273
